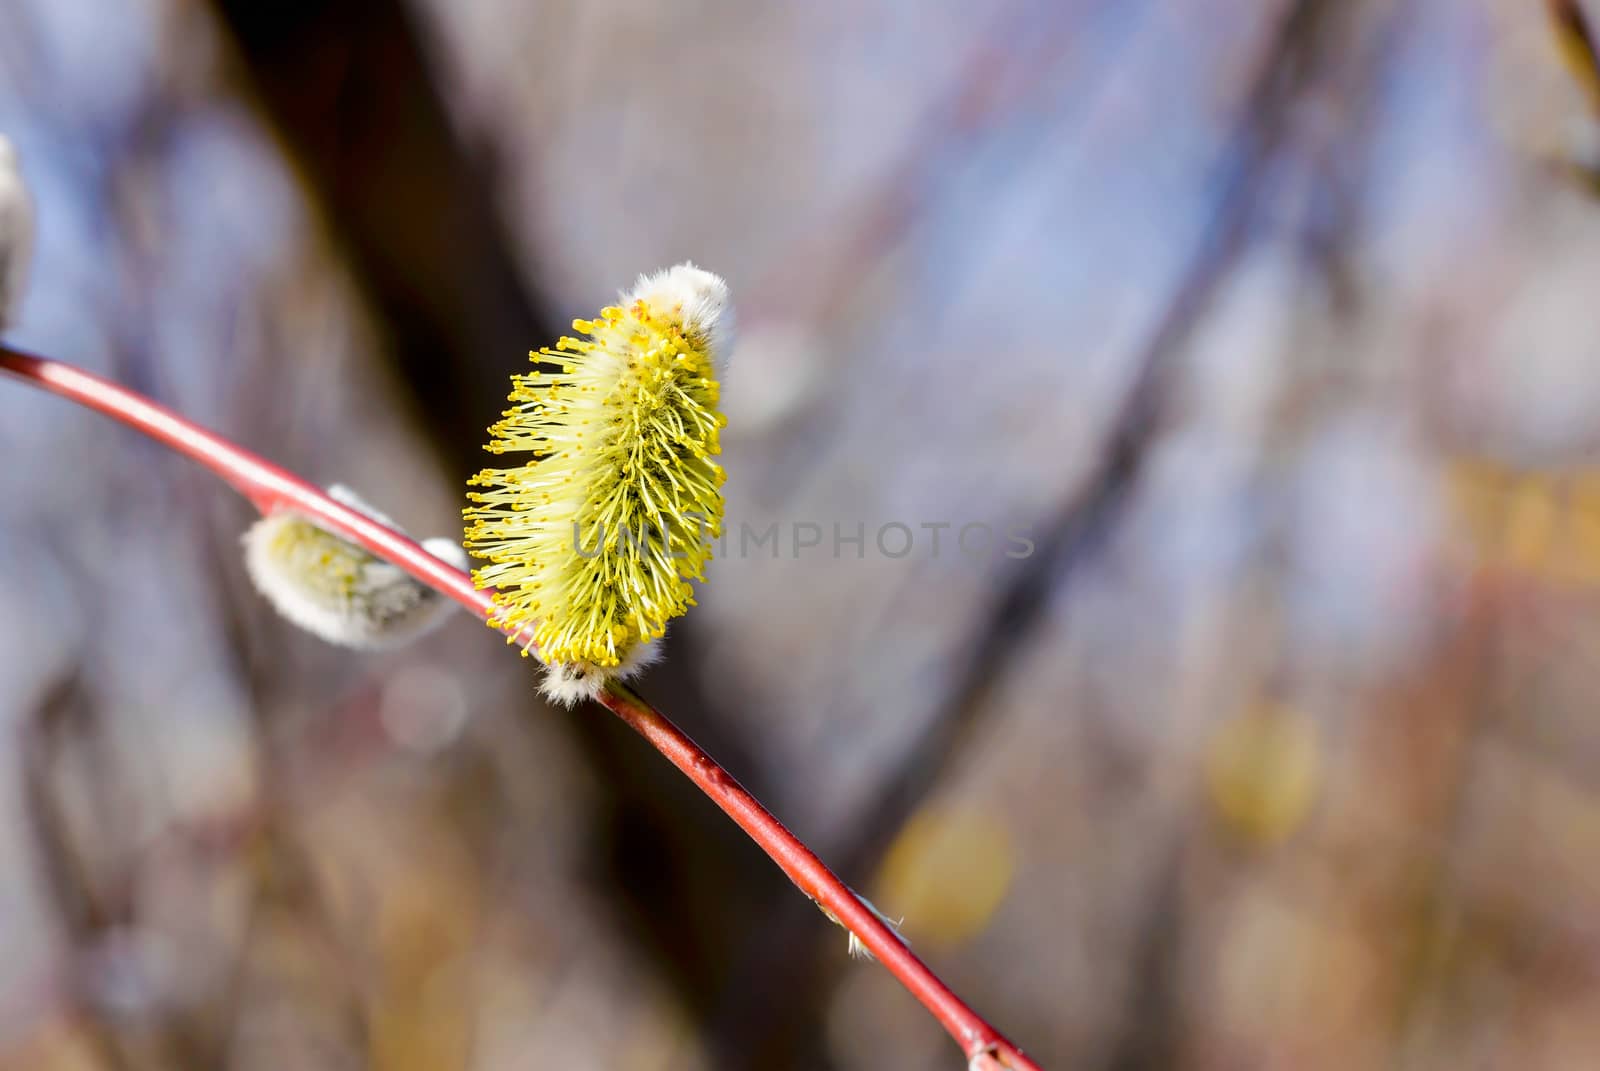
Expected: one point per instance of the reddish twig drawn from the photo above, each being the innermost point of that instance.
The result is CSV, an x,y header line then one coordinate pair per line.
x,y
270,488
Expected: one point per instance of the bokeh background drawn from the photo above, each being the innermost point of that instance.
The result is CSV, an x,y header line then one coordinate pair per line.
x,y
1275,322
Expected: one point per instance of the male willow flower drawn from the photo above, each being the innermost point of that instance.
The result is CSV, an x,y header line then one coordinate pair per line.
x,y
338,591
592,541
16,233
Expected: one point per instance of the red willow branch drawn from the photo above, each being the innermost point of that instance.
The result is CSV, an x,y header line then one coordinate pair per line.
x,y
270,488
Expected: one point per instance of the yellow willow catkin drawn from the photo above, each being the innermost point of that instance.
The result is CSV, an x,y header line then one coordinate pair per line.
x,y
592,541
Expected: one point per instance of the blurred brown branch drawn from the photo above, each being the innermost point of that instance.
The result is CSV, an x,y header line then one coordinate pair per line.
x,y
352,94
1576,41
1070,538
64,753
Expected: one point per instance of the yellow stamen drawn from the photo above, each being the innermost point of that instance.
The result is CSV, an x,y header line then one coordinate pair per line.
x,y
590,542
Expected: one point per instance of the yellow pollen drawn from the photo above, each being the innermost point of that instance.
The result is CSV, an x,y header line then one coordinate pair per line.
x,y
591,541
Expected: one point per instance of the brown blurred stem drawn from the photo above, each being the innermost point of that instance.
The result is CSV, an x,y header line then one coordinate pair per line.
x,y
89,913
1576,40
350,91
82,916
1084,520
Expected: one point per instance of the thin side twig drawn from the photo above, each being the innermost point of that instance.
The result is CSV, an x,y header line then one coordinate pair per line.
x,y
1575,38
270,488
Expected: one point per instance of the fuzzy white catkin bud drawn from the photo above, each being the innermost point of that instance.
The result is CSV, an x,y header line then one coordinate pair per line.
x,y
702,298
855,946
568,683
336,590
16,233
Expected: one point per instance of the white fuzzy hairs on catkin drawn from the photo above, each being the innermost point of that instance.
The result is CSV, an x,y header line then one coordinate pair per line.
x,y
567,683
336,590
16,234
703,298
855,946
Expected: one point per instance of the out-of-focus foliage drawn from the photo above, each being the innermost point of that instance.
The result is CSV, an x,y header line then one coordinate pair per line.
x,y
950,872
